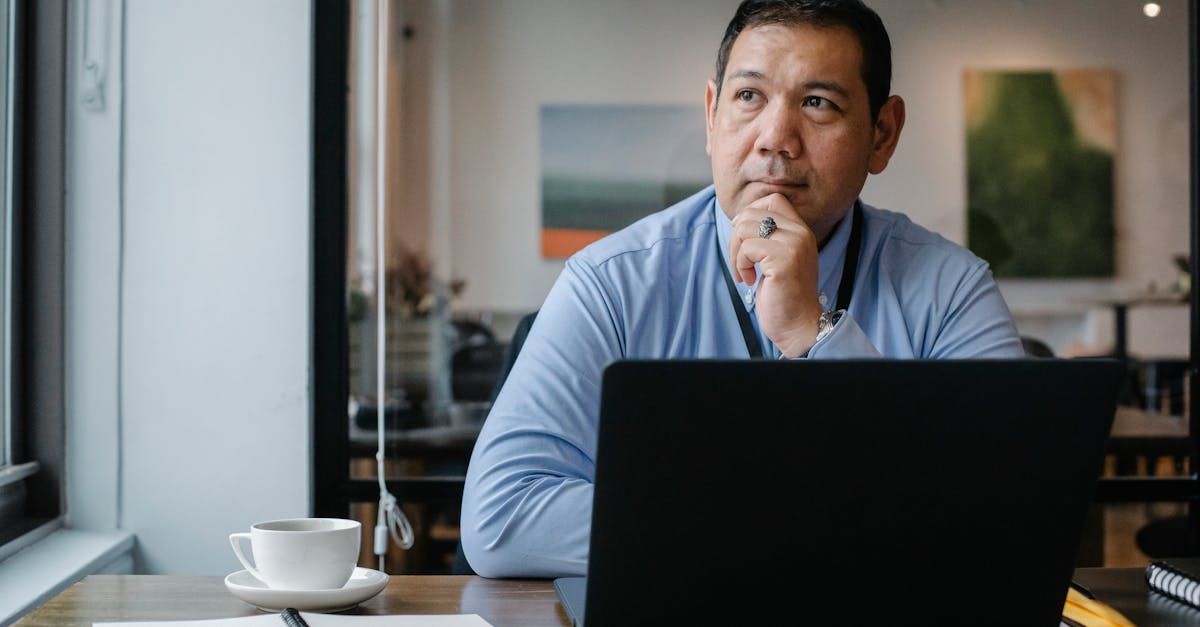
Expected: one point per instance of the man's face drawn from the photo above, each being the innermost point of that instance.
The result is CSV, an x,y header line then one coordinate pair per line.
x,y
793,117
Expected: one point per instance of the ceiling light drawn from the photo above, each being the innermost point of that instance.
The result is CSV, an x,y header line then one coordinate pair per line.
x,y
1151,9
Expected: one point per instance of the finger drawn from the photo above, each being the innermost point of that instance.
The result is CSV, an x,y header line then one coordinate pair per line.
x,y
778,208
782,214
735,247
754,251
745,227
749,226
743,268
777,205
742,233
738,234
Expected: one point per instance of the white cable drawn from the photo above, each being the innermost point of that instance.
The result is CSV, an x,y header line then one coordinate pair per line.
x,y
391,518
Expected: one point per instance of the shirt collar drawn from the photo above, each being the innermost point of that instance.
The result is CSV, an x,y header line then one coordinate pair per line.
x,y
830,259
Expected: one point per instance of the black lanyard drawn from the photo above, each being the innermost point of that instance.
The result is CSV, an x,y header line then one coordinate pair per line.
x,y
849,268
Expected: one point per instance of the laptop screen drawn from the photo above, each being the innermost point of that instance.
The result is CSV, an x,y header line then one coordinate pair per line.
x,y
887,490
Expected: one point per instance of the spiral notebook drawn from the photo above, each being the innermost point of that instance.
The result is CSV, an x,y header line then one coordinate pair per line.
x,y
1178,579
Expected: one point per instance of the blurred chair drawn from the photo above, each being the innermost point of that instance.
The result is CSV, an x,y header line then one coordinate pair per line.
x,y
1159,387
477,361
470,333
1161,384
474,369
1167,537
1036,348
514,347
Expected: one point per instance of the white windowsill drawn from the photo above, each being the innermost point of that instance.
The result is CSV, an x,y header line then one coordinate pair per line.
x,y
38,572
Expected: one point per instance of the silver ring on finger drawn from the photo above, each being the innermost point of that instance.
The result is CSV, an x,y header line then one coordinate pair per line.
x,y
767,227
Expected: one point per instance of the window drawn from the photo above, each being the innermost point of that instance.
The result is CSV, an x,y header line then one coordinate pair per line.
x,y
6,75
31,269
12,488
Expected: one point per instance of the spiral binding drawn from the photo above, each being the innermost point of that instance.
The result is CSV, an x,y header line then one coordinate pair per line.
x,y
1174,583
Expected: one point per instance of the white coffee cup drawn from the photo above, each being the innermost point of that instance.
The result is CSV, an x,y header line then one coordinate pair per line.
x,y
301,553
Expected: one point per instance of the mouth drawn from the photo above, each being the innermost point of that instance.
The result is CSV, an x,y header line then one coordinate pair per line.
x,y
781,184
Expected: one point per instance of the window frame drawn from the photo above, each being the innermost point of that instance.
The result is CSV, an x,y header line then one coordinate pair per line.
x,y
38,192
333,490
330,344
8,42
9,107
15,470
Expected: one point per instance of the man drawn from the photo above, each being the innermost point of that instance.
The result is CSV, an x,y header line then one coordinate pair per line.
x,y
777,258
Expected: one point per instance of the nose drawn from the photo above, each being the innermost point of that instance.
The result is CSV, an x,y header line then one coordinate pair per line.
x,y
779,132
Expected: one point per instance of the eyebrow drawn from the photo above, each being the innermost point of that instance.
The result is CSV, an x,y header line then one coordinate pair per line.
x,y
827,86
751,74
832,86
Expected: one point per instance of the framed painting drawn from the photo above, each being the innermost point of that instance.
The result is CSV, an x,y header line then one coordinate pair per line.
x,y
605,166
1040,151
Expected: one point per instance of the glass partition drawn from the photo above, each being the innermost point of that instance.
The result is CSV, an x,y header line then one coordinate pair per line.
x,y
1050,137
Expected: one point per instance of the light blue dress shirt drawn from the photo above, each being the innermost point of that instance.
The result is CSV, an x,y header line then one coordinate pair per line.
x,y
655,290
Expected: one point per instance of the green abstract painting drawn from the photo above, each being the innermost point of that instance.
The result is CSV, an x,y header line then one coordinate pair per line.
x,y
1040,148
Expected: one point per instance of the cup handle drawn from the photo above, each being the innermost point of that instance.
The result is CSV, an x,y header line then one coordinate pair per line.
x,y
235,541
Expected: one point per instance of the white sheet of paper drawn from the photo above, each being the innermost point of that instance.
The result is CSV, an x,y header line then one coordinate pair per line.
x,y
322,620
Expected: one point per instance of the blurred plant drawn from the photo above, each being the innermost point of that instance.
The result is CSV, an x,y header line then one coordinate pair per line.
x,y
412,290
1183,284
356,305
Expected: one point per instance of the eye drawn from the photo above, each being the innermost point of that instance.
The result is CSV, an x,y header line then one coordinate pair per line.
x,y
818,102
745,95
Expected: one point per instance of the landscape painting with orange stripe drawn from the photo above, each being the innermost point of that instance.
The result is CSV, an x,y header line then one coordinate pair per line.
x,y
606,166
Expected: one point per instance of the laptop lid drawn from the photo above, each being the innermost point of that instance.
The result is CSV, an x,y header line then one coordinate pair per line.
x,y
897,491
571,591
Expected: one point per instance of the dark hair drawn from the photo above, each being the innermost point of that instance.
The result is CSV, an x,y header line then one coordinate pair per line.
x,y
851,14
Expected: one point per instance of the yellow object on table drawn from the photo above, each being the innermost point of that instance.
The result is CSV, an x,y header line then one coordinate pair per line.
x,y
1090,612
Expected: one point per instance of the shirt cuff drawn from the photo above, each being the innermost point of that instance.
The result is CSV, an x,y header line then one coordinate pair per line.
x,y
845,340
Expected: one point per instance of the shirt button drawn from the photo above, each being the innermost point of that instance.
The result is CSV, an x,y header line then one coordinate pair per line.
x,y
748,298
823,299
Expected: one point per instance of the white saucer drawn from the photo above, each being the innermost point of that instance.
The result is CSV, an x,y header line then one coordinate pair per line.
x,y
364,583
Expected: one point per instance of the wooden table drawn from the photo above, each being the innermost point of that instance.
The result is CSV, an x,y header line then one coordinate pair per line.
x,y
161,597
1120,307
1140,433
1131,422
500,602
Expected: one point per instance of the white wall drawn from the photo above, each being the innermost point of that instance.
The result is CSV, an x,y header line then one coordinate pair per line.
x,y
927,176
932,48
92,276
214,305
509,57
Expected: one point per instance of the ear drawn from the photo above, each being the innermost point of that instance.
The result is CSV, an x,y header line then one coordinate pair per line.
x,y
887,134
710,112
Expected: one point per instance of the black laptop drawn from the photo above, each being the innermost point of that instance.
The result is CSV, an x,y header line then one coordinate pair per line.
x,y
894,492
